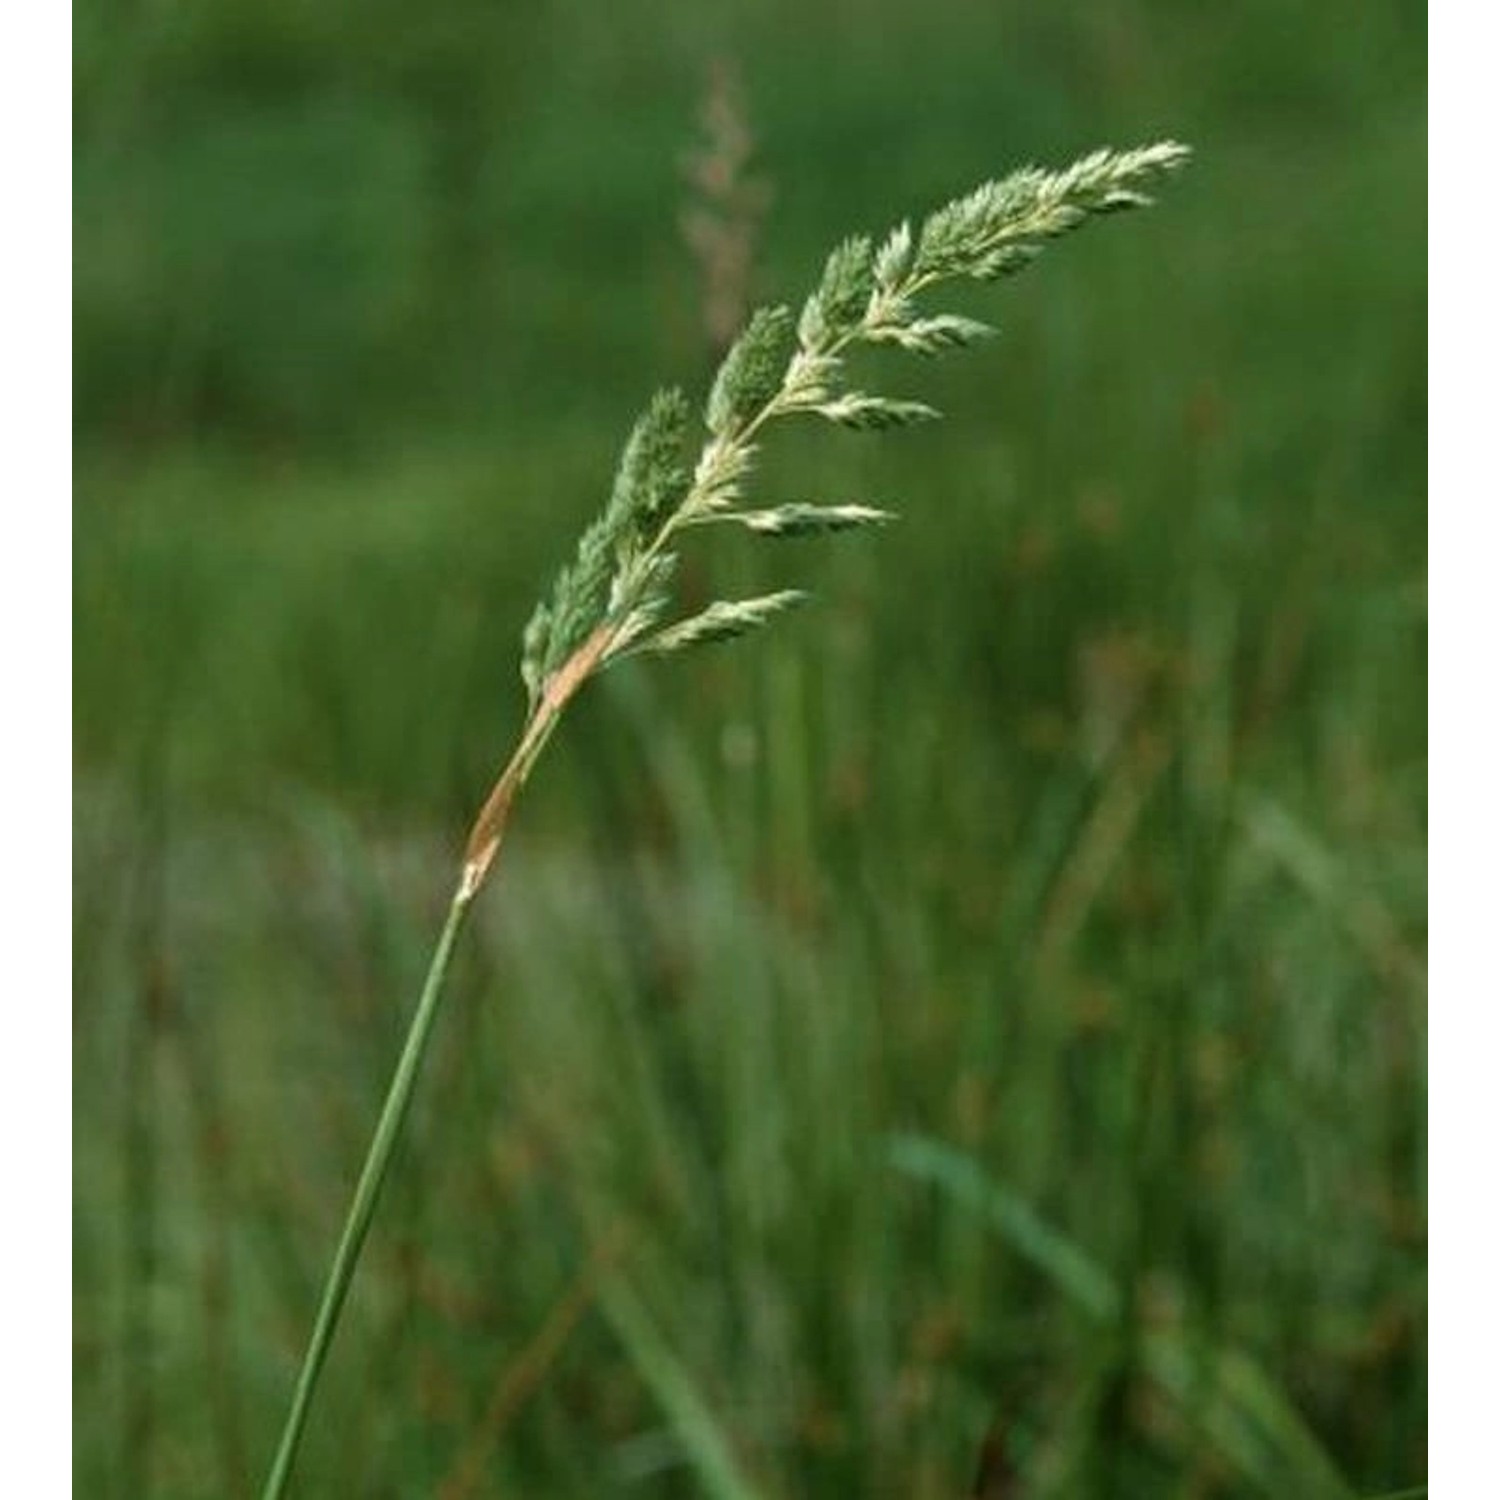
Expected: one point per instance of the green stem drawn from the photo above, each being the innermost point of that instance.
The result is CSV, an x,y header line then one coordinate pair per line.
x,y
361,1210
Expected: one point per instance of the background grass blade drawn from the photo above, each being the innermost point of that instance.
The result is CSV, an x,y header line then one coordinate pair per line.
x,y
704,1441
1246,1417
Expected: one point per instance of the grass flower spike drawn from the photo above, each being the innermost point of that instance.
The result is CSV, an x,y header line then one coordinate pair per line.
x,y
610,602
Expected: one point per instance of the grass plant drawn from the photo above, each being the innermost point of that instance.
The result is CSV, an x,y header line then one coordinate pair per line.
x,y
613,601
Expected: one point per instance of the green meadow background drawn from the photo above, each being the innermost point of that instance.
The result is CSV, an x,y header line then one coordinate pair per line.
x,y
969,1040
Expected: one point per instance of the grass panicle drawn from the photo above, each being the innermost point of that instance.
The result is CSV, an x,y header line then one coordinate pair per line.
x,y
778,367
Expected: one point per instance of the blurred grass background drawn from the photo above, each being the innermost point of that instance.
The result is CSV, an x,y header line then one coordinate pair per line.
x,y
978,1026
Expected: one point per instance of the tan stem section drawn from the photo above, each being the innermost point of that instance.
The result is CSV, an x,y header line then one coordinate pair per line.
x,y
489,826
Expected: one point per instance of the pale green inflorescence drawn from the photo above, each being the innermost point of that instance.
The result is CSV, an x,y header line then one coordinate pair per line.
x,y
617,589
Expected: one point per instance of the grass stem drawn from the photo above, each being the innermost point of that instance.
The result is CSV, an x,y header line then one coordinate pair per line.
x,y
366,1194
